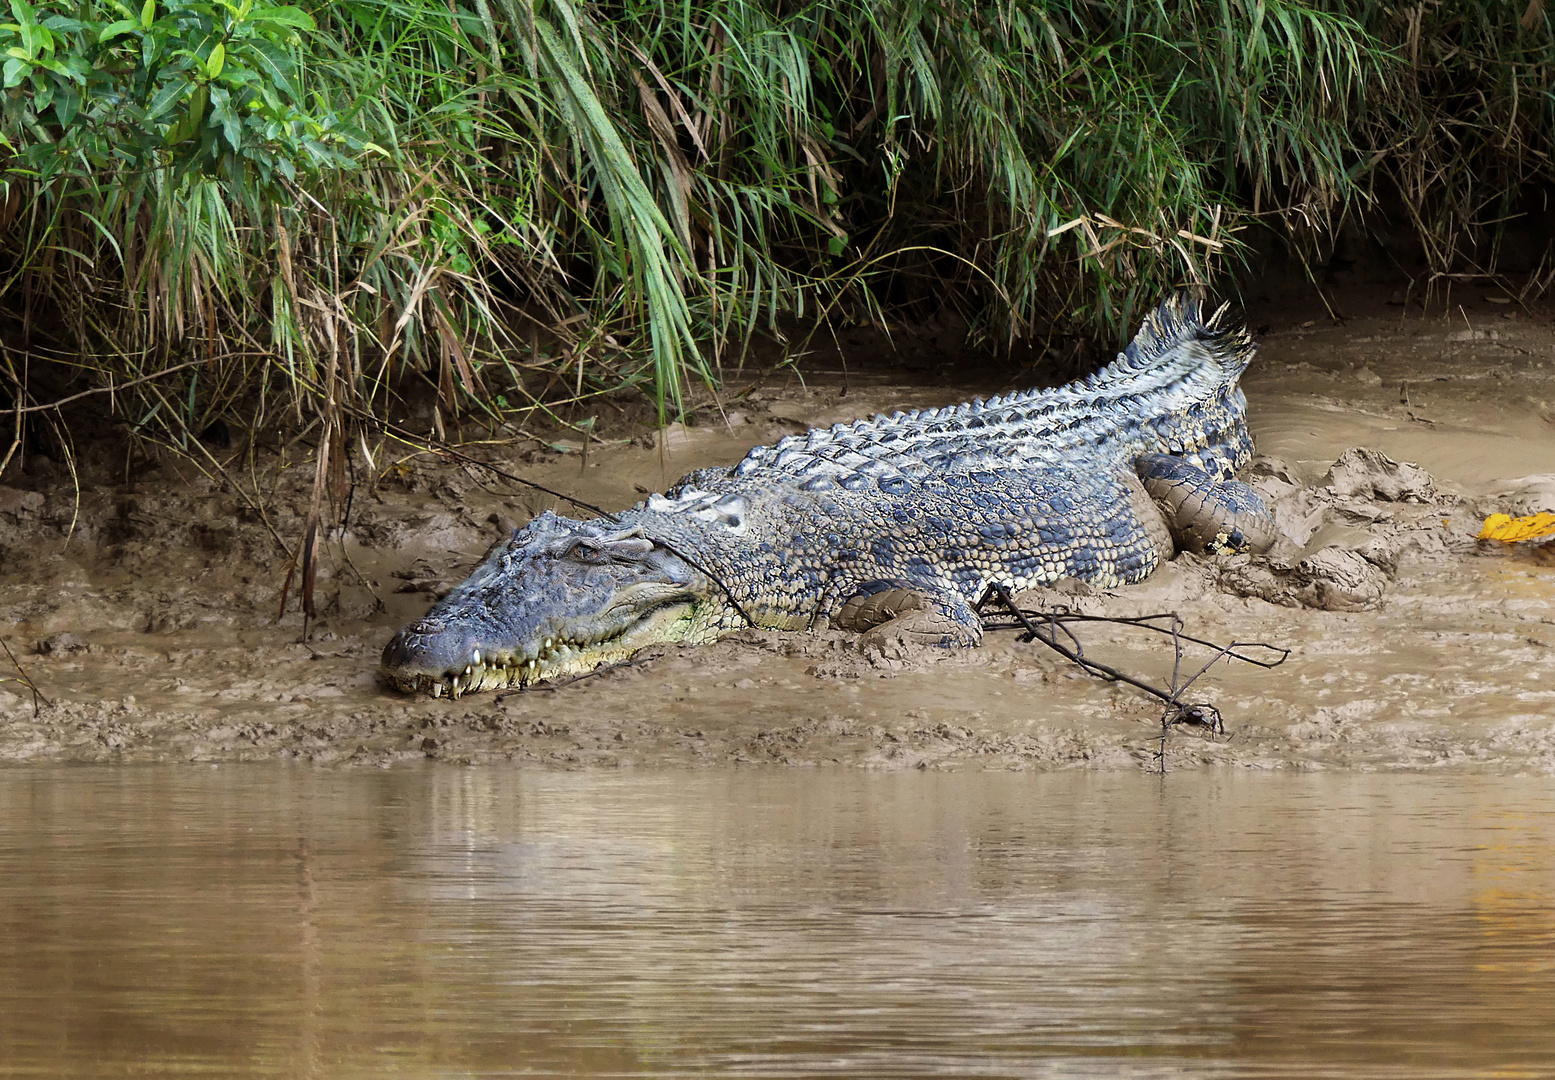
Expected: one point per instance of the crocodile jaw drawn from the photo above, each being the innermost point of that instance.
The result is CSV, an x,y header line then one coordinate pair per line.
x,y
501,665
559,598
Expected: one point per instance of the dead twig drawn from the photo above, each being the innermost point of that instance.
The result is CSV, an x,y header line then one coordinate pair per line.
x,y
1052,628
23,678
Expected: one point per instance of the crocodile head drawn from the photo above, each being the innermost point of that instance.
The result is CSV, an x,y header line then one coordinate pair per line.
x,y
559,597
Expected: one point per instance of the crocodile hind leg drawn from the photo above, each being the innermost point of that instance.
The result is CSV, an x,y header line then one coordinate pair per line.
x,y
906,611
1203,513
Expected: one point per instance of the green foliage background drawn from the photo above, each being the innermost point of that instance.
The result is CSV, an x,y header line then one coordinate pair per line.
x,y
214,204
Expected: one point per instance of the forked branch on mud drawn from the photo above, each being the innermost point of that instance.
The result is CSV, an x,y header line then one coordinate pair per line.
x,y
23,678
1047,626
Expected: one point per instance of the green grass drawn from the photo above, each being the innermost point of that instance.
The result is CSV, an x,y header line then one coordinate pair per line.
x,y
543,200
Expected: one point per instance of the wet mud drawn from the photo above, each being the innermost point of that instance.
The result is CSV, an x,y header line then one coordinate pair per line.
x,y
145,613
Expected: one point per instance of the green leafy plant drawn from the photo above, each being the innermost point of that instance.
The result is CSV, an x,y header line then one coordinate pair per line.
x,y
211,207
204,88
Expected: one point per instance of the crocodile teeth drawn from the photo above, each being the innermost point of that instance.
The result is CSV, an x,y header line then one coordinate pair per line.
x,y
489,670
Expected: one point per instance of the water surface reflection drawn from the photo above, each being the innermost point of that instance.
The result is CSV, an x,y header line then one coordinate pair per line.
x,y
479,922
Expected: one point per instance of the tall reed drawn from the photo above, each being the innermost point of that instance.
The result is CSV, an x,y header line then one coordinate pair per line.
x,y
221,209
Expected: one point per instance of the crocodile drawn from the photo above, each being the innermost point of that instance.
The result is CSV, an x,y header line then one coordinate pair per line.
x,y
895,527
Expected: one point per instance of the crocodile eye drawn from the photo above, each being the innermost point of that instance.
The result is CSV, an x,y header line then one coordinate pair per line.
x,y
584,551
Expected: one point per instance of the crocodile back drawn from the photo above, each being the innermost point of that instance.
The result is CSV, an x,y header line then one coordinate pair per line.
x,y
1173,390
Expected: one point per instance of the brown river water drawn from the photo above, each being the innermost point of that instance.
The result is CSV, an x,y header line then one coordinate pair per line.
x,y
286,921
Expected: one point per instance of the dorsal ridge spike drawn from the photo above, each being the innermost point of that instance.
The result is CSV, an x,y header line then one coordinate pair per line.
x,y
1184,357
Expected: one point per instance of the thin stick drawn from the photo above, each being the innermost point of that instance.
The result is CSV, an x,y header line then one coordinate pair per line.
x,y
24,680
1143,622
1101,670
48,405
1175,712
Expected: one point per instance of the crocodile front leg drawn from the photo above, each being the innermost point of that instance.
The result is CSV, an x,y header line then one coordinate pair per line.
x,y
907,611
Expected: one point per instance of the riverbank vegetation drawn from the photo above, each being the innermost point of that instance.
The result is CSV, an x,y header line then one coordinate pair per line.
x,y
220,212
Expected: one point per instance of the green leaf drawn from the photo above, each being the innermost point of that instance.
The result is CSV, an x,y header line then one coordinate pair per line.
x,y
285,16
148,14
151,48
15,71
61,24
222,113
66,105
36,39
114,29
189,123
218,57
163,99
24,12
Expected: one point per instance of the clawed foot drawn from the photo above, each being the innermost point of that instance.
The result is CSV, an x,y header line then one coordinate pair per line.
x,y
891,617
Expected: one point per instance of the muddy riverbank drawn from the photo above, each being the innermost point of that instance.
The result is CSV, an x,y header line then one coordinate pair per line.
x,y
152,631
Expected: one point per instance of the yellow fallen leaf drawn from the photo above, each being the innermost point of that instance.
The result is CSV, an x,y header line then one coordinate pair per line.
x,y
1506,528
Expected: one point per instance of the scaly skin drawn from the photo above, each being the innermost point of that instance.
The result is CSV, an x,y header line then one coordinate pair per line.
x,y
895,526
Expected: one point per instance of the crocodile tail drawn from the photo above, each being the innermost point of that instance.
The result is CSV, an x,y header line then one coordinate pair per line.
x,y
1182,332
